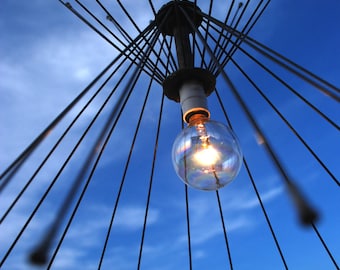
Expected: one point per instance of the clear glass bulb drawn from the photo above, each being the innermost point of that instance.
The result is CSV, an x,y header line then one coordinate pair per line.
x,y
206,154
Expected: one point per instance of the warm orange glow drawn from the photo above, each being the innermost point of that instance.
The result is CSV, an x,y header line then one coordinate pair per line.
x,y
207,156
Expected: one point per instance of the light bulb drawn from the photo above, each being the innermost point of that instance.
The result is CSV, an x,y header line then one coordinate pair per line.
x,y
206,154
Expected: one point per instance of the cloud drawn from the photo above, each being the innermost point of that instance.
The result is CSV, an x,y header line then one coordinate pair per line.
x,y
70,258
253,202
90,232
84,235
35,88
56,82
131,217
237,206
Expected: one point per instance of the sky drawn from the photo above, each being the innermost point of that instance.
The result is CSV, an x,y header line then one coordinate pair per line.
x,y
48,56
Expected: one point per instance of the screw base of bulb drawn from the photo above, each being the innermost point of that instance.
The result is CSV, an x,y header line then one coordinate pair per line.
x,y
195,115
198,116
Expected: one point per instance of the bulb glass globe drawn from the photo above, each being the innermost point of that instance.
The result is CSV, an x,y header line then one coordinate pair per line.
x,y
206,155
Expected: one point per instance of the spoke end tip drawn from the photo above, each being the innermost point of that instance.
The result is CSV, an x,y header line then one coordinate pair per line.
x,y
308,217
38,257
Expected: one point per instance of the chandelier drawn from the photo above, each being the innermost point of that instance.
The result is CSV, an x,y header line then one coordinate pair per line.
x,y
190,94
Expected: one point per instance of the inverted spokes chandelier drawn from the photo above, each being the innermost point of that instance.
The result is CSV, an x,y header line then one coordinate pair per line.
x,y
184,58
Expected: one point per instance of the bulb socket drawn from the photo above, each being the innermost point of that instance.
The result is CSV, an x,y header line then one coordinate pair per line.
x,y
174,82
193,100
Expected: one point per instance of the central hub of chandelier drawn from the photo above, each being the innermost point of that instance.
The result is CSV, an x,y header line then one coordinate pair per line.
x,y
206,154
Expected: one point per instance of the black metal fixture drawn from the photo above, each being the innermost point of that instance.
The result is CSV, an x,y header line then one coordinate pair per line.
x,y
190,55
206,155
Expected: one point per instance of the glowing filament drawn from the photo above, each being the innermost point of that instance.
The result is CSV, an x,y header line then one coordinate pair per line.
x,y
207,156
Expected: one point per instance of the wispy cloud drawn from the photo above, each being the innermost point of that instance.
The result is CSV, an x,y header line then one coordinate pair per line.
x,y
252,201
237,207
25,98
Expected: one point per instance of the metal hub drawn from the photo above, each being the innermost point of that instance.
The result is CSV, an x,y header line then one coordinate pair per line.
x,y
170,16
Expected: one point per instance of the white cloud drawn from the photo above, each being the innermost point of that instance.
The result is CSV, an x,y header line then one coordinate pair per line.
x,y
266,196
70,259
205,220
45,81
199,254
132,217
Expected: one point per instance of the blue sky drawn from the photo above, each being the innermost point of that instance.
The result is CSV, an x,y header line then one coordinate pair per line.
x,y
48,56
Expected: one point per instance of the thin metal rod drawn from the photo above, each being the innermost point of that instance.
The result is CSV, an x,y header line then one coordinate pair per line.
x,y
39,255
251,178
293,130
231,53
100,152
290,88
127,37
193,35
255,189
54,180
152,8
150,184
187,209
172,63
131,45
217,193
245,31
299,74
129,16
135,50
295,65
306,212
139,30
278,247
42,258
226,41
114,209
111,18
57,144
18,162
325,246
200,52
254,186
206,33
66,131
169,56
187,215
224,230
217,48
317,84
160,60
151,177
